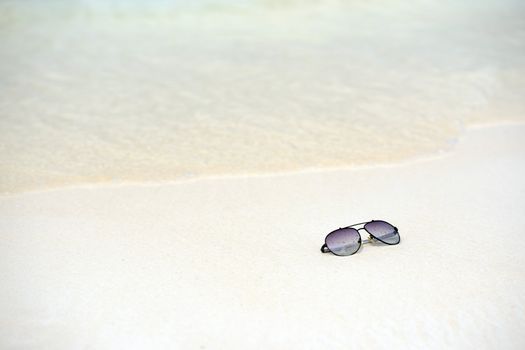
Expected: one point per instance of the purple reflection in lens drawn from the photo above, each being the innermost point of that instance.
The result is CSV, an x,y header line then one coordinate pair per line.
x,y
344,241
383,231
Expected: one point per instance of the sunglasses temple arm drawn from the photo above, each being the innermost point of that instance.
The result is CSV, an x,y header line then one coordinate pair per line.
x,y
324,249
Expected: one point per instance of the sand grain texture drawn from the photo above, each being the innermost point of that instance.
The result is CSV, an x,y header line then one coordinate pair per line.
x,y
235,262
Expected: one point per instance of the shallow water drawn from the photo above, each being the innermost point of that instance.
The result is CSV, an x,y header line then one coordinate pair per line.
x,y
109,91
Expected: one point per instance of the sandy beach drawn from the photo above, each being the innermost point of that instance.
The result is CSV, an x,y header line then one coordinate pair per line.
x,y
234,262
98,92
169,170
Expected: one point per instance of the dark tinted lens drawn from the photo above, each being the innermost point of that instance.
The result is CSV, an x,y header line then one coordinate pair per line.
x,y
345,241
383,231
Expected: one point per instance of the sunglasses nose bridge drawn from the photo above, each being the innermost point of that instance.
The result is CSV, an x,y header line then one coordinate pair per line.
x,y
370,238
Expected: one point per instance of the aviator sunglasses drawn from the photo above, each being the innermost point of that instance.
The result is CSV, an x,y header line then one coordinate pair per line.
x,y
347,240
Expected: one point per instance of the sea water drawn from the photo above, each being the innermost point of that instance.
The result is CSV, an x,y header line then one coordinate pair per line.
x,y
111,91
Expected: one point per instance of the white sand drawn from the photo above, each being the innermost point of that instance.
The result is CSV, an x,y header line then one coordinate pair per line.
x,y
234,263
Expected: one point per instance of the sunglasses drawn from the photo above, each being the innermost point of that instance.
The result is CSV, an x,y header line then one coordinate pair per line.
x,y
347,240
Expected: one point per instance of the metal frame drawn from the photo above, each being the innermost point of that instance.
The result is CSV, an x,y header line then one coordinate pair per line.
x,y
371,238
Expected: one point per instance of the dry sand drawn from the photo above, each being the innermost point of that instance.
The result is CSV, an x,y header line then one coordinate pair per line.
x,y
234,263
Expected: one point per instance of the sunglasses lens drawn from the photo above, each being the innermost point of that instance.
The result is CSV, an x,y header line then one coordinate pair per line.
x,y
345,241
383,231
